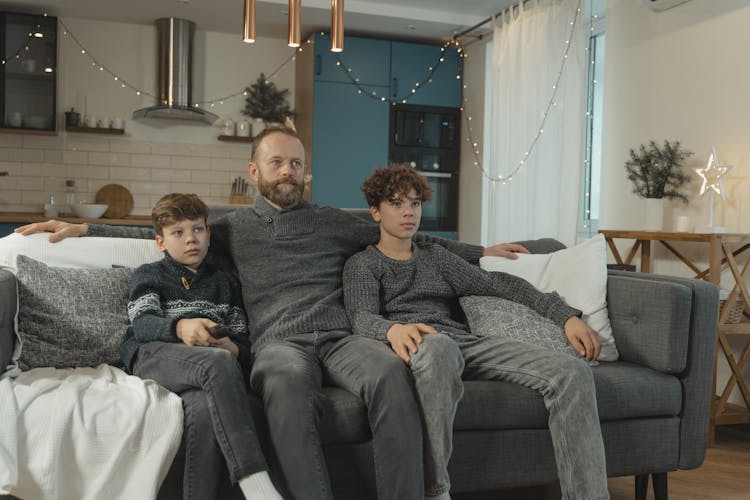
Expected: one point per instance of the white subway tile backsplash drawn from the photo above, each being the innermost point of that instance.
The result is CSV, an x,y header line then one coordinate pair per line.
x,y
39,165
150,161
109,159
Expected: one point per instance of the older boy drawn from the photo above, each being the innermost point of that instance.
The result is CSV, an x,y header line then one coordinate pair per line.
x,y
404,292
189,334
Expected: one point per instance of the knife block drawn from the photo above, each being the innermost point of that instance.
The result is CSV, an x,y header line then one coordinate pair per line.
x,y
239,199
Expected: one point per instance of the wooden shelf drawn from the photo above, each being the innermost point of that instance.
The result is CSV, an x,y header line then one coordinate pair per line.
x,y
235,138
95,130
26,131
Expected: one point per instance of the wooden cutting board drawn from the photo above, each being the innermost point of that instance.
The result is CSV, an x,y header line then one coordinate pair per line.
x,y
118,199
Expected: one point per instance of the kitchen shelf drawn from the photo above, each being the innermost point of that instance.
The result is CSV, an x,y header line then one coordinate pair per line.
x,y
95,130
235,138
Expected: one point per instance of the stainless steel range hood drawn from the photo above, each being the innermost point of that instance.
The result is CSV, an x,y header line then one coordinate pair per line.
x,y
175,70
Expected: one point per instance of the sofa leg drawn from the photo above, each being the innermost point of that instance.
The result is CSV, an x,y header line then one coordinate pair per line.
x,y
661,490
660,486
641,486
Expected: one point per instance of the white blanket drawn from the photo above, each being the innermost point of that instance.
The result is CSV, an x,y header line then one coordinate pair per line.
x,y
86,433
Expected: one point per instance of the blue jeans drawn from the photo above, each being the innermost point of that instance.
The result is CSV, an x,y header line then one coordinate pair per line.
x,y
565,383
218,425
290,374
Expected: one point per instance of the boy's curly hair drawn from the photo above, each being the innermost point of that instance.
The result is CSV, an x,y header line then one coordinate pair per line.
x,y
394,180
176,207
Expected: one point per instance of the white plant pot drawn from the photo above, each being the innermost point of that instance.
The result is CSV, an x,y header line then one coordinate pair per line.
x,y
654,214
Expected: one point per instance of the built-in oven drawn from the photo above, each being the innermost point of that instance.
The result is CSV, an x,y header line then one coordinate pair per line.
x,y
427,138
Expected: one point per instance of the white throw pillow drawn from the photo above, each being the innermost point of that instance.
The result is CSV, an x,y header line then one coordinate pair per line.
x,y
578,274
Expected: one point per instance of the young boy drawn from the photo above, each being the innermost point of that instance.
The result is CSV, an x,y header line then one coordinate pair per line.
x,y
189,335
405,293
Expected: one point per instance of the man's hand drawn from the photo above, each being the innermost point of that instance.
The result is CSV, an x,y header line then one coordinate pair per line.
x,y
507,250
582,338
404,338
59,229
194,331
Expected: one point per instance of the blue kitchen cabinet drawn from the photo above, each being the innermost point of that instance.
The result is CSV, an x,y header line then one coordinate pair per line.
x,y
410,65
368,59
350,140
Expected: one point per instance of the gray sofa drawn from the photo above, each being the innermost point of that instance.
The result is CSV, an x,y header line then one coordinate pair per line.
x,y
653,402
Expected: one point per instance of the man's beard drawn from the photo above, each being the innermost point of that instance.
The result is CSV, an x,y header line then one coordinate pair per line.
x,y
283,196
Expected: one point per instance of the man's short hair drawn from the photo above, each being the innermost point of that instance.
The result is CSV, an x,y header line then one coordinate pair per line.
x,y
282,129
176,207
394,180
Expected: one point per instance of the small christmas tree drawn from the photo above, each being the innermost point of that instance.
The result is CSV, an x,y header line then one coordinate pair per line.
x,y
266,102
656,172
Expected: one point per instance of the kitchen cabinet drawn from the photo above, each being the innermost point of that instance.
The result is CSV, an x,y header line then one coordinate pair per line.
x,y
369,60
410,65
344,128
28,77
346,150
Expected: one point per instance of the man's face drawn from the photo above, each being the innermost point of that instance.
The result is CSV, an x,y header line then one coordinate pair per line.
x,y
278,169
186,242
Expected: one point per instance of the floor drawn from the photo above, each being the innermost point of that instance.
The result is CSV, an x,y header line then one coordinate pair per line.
x,y
724,475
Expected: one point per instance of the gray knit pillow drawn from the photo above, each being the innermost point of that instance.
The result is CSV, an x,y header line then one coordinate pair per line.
x,y
70,317
493,316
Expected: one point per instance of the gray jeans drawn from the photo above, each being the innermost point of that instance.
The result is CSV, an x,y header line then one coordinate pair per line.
x,y
290,374
566,383
218,426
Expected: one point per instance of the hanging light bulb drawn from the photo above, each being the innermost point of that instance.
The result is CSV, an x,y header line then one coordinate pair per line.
x,y
295,6
337,25
248,22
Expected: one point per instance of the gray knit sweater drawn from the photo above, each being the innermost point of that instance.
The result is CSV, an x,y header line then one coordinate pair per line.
x,y
380,292
290,262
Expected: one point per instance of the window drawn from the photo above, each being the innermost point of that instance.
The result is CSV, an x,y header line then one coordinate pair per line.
x,y
588,223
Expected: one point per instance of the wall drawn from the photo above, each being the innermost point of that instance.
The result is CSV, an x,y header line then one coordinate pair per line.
x,y
678,74
154,156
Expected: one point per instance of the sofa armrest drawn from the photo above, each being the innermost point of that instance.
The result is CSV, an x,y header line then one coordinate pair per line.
x,y
635,301
8,304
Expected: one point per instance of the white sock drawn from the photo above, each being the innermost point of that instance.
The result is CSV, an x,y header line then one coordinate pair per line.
x,y
442,496
258,486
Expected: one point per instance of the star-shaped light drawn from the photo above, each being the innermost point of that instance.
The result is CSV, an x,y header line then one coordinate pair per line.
x,y
712,175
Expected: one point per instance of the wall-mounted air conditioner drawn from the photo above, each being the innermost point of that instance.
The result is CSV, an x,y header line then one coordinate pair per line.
x,y
659,5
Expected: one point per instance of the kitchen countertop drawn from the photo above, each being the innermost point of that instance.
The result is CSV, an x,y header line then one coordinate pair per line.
x,y
29,217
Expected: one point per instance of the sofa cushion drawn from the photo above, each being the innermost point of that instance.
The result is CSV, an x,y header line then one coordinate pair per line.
x,y
493,316
578,274
70,317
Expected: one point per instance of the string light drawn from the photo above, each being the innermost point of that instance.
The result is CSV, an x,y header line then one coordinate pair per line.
x,y
138,91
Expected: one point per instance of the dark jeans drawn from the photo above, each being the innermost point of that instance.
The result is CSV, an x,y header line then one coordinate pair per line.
x,y
217,425
289,375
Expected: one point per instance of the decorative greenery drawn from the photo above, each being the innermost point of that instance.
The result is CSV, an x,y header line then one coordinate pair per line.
x,y
656,171
266,102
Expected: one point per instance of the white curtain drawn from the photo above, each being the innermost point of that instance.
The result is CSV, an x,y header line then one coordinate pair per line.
x,y
543,197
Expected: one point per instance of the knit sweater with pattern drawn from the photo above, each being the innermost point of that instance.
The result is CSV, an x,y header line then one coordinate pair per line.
x,y
164,292
380,292
290,262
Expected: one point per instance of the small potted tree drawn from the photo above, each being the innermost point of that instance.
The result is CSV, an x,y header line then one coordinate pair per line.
x,y
266,102
656,173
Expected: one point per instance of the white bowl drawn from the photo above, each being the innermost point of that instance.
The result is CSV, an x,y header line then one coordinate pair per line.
x,y
89,210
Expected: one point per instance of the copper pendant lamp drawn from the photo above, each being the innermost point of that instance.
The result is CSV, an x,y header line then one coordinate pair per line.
x,y
248,22
337,25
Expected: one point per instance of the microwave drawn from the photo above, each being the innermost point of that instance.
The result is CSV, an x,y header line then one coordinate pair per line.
x,y
425,126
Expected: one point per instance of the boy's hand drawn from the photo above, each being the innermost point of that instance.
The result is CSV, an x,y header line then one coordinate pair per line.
x,y
582,338
404,338
194,331
507,250
59,229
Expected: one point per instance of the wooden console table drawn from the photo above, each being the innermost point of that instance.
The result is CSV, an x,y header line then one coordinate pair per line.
x,y
723,252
